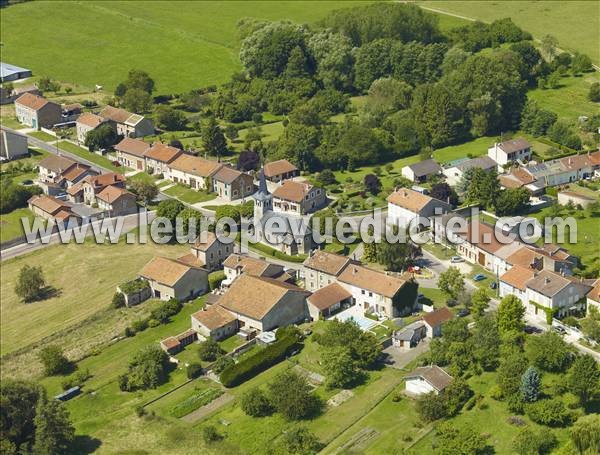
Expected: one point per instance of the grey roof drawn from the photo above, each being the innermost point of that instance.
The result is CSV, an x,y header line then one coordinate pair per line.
x,y
427,167
434,375
408,332
483,162
6,69
263,192
514,145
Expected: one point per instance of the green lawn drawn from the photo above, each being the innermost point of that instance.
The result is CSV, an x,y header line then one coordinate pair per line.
x,y
570,100
180,51
229,344
11,122
87,155
142,177
42,136
186,194
10,224
85,279
474,148
574,23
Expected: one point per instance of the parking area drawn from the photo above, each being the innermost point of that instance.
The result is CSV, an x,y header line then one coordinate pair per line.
x,y
399,358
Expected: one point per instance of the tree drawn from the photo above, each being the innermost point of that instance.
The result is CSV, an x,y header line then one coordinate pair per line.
x,y
140,80
53,360
145,191
431,407
584,377
530,385
510,314
581,63
563,133
444,192
510,372
594,93
372,184
483,189
298,440
169,209
53,430
19,400
222,362
326,177
535,120
480,301
193,370
137,100
530,441
549,44
292,397
30,283
254,402
118,300
548,352
120,90
451,439
585,434
169,119
456,395
209,350
147,369
213,139
340,368
451,282
485,342
550,412
100,138
396,256
248,160
364,347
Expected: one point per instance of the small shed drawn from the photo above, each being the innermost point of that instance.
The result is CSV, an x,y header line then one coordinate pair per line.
x,y
428,379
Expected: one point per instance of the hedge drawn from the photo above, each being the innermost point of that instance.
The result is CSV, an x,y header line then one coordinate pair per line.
x,y
277,254
215,279
252,365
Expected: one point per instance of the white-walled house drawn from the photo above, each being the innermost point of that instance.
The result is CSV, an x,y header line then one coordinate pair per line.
x,y
322,268
421,171
510,151
407,207
423,380
515,282
237,264
455,171
593,297
170,278
192,171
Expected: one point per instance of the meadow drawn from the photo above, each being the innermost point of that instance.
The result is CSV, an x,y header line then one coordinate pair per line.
x,y
96,42
574,23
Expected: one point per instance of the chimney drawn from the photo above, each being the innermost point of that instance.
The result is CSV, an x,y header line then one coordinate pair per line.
x,y
546,280
354,271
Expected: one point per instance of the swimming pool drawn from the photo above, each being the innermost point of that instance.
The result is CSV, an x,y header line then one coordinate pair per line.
x,y
350,313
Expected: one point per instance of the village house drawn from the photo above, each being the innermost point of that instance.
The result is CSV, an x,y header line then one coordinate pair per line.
x,y
547,257
593,297
126,123
238,264
214,322
172,279
89,187
280,170
410,336
37,112
576,199
116,201
21,89
231,184
159,156
52,209
85,123
298,198
57,173
51,167
424,380
211,252
265,303
545,292
131,153
433,321
420,172
322,268
455,170
192,171
510,151
407,207
328,300
12,145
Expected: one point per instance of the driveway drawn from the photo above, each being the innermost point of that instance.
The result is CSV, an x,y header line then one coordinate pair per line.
x,y
399,358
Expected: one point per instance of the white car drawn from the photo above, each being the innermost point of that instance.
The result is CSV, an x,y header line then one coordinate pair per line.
x,y
455,259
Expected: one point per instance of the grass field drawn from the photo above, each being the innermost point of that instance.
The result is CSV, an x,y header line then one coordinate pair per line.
x,y
42,136
186,194
85,280
87,155
10,224
570,100
574,23
99,42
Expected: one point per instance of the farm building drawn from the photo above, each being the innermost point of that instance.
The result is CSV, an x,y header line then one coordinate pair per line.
x,y
37,112
10,72
172,279
420,172
12,145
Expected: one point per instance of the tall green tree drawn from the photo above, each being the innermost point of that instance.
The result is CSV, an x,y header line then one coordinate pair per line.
x,y
30,283
53,360
548,352
485,342
584,377
480,301
585,434
213,138
451,282
510,314
510,372
292,397
531,383
340,368
53,430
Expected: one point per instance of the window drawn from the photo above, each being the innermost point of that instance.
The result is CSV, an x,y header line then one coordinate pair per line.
x,y
235,192
362,291
370,294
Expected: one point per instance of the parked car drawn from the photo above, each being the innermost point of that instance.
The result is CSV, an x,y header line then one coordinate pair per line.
x,y
559,329
464,312
479,277
493,285
532,329
455,259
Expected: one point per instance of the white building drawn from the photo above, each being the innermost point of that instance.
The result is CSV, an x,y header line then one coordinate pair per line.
x,y
455,171
510,151
407,207
12,145
428,379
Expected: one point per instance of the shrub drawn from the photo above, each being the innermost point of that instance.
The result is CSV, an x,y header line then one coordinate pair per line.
x,y
54,360
76,379
530,441
552,413
255,403
129,332
252,365
147,369
118,300
209,350
210,434
431,407
193,370
215,279
165,310
139,325
222,362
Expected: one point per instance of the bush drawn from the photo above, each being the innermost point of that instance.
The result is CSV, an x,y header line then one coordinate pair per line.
x,y
210,434
552,413
129,332
76,379
193,370
257,363
118,300
529,441
215,279
222,362
209,350
54,360
255,403
139,325
147,369
165,310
